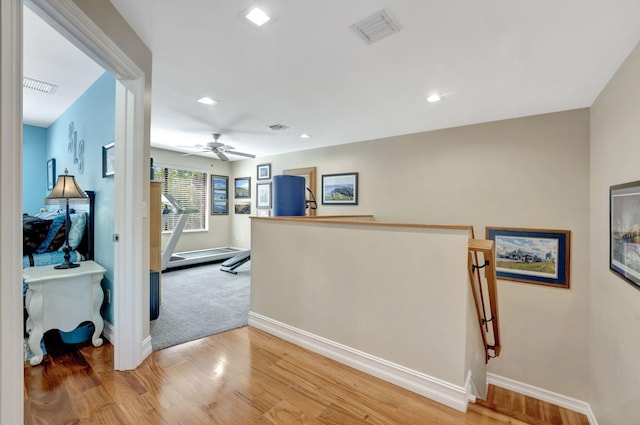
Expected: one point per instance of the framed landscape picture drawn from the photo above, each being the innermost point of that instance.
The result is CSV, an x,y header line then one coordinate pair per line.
x,y
219,195
340,189
242,207
537,256
242,187
624,231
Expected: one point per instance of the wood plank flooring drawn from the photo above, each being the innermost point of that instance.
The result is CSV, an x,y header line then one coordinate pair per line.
x,y
238,377
528,409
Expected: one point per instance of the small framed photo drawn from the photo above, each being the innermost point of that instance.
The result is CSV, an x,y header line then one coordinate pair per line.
x,y
108,159
340,189
264,172
263,213
263,195
242,207
624,231
51,173
532,255
219,195
242,187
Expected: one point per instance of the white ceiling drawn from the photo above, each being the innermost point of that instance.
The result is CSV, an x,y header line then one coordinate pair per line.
x,y
51,58
491,60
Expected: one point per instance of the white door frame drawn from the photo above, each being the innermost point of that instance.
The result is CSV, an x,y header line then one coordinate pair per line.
x,y
129,205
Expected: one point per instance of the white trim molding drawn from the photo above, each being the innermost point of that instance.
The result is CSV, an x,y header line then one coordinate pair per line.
x,y
451,395
543,395
11,357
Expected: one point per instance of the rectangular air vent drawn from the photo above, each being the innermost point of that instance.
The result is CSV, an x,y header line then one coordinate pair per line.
x,y
278,127
376,27
40,86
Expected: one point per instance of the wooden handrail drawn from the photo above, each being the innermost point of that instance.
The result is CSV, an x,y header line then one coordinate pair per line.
x,y
490,302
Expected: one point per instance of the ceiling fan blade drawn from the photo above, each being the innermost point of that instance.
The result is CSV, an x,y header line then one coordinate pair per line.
x,y
248,155
222,156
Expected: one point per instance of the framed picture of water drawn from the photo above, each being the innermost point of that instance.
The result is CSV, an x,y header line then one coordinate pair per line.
x,y
624,231
537,256
340,189
219,195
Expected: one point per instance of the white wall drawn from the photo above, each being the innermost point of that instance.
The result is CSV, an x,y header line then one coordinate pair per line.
x,y
528,172
615,304
396,293
219,231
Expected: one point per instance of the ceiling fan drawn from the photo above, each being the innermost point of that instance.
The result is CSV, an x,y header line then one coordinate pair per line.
x,y
219,149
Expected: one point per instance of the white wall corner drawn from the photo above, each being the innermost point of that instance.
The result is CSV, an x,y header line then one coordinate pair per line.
x,y
432,388
543,395
470,388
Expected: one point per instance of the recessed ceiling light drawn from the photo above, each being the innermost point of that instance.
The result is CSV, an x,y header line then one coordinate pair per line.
x,y
207,101
258,17
304,136
434,98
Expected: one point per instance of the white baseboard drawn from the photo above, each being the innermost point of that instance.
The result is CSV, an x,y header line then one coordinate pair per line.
x,y
544,395
147,349
107,332
435,389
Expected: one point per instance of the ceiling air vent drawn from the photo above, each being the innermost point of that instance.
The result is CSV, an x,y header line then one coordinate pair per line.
x,y
278,127
40,86
376,27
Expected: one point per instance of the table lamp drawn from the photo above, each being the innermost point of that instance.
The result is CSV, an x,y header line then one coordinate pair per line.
x,y
66,189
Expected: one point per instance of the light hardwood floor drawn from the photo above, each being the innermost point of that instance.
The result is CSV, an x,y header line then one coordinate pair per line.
x,y
238,377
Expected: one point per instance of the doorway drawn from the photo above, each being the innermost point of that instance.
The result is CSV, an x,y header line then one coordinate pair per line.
x,y
86,24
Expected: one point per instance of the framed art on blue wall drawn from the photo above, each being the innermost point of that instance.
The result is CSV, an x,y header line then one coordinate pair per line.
x,y
51,173
108,160
537,256
624,231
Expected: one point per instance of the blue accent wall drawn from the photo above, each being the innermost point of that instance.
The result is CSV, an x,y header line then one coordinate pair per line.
x,y
93,117
34,168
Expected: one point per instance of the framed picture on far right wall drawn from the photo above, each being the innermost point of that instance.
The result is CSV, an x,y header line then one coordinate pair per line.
x,y
624,231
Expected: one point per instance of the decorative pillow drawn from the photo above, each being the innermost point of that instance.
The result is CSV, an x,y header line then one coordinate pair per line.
x,y
78,224
34,231
55,237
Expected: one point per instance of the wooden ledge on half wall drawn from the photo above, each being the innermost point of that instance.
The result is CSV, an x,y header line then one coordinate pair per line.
x,y
363,219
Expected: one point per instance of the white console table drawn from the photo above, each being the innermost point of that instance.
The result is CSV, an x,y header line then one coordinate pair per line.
x,y
62,299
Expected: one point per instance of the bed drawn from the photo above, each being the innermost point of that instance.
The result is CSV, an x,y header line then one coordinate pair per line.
x,y
44,236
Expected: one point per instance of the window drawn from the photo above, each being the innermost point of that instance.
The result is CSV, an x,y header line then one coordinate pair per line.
x,y
189,188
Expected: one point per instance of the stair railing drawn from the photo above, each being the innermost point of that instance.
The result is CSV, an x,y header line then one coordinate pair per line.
x,y
485,296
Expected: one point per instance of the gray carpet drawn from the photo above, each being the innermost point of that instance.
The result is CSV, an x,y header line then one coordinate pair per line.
x,y
200,301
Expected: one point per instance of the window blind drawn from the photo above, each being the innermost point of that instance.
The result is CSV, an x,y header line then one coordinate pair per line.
x,y
189,188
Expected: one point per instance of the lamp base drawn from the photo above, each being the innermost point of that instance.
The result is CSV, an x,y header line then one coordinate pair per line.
x,y
66,265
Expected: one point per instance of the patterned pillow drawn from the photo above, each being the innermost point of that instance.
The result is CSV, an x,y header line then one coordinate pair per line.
x,y
78,224
55,237
34,231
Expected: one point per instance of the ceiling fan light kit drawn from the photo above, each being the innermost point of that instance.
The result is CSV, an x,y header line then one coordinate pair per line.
x,y
220,149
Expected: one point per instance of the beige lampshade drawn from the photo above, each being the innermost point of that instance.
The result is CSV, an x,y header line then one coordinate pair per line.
x,y
66,188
